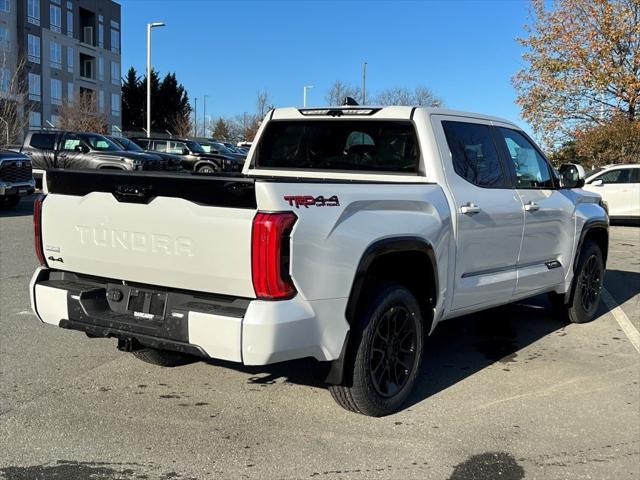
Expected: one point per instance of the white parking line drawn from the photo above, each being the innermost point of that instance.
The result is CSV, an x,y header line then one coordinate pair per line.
x,y
627,327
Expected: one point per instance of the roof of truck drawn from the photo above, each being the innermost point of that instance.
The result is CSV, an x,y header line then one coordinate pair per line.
x,y
388,112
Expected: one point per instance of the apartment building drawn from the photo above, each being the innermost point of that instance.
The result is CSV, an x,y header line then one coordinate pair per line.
x,y
69,47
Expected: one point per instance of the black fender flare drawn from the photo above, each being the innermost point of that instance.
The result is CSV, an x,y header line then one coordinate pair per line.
x,y
335,373
591,224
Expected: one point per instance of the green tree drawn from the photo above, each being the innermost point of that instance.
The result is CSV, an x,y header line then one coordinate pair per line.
x,y
582,66
133,101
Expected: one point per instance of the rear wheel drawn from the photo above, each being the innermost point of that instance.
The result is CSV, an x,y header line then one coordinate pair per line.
x,y
587,285
388,343
162,358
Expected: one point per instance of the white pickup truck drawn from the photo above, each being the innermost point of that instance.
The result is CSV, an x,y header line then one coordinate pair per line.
x,y
350,234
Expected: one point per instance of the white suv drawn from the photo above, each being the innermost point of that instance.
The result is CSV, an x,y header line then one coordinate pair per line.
x,y
619,186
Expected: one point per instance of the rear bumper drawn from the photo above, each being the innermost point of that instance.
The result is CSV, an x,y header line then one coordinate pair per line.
x,y
240,330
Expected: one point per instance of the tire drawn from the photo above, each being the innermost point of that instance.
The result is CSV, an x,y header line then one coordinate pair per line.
x,y
587,285
162,358
383,372
206,169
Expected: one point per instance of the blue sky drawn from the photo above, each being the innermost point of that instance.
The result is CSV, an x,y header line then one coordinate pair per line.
x,y
465,51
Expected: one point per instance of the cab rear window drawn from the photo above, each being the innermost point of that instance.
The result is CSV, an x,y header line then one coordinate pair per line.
x,y
353,145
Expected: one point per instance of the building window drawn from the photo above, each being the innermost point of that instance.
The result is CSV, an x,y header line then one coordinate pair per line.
x,y
56,55
70,91
5,80
101,35
115,104
70,59
101,69
57,2
33,11
33,52
4,5
56,91
35,120
34,87
115,40
55,14
55,120
115,73
69,22
4,38
101,101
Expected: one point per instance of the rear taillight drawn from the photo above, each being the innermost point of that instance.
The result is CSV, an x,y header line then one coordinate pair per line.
x,y
270,255
37,228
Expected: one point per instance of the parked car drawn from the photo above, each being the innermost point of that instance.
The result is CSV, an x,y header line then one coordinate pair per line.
x,y
173,161
49,149
353,232
194,157
16,179
619,186
211,146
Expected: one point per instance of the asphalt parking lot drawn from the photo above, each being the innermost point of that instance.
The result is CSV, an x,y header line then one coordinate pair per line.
x,y
510,393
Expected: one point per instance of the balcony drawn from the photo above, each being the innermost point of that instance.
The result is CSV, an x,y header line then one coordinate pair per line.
x,y
87,68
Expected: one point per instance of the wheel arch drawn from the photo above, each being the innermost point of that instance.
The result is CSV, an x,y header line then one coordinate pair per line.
x,y
598,231
388,259
205,162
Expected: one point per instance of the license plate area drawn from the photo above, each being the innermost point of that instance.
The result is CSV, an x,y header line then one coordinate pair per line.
x,y
146,304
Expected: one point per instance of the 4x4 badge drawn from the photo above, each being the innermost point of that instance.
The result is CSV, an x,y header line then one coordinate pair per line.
x,y
307,201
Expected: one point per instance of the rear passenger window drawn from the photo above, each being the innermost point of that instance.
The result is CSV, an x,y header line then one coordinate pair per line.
x,y
43,141
474,154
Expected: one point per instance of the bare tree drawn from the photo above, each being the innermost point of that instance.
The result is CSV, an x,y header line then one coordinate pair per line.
x,y
421,96
82,114
339,90
14,105
263,104
181,125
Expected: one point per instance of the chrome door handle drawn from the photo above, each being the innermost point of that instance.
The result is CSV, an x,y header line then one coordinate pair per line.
x,y
469,209
531,207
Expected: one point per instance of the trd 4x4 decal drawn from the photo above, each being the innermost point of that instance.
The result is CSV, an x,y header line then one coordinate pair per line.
x,y
307,201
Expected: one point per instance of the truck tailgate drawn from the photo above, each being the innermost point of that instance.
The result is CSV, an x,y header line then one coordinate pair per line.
x,y
178,231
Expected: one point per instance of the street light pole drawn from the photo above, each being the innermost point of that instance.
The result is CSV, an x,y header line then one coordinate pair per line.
x,y
195,118
149,27
364,83
304,94
204,117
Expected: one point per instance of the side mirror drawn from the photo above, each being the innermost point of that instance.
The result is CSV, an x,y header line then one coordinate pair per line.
x,y
81,148
572,175
597,183
185,151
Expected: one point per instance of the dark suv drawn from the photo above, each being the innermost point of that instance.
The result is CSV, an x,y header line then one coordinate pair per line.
x,y
16,179
173,161
80,150
194,157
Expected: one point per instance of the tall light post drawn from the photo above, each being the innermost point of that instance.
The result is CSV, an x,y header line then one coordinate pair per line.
x,y
195,119
149,27
364,83
304,94
204,117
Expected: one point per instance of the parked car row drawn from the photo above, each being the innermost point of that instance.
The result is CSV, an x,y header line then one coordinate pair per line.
x,y
48,149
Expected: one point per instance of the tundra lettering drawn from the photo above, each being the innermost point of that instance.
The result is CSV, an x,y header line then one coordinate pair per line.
x,y
136,241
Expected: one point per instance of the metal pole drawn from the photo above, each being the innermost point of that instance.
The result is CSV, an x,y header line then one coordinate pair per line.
x,y
195,119
304,95
148,80
149,27
204,117
364,83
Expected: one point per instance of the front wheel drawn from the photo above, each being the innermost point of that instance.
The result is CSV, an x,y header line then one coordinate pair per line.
x,y
388,342
587,284
206,169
